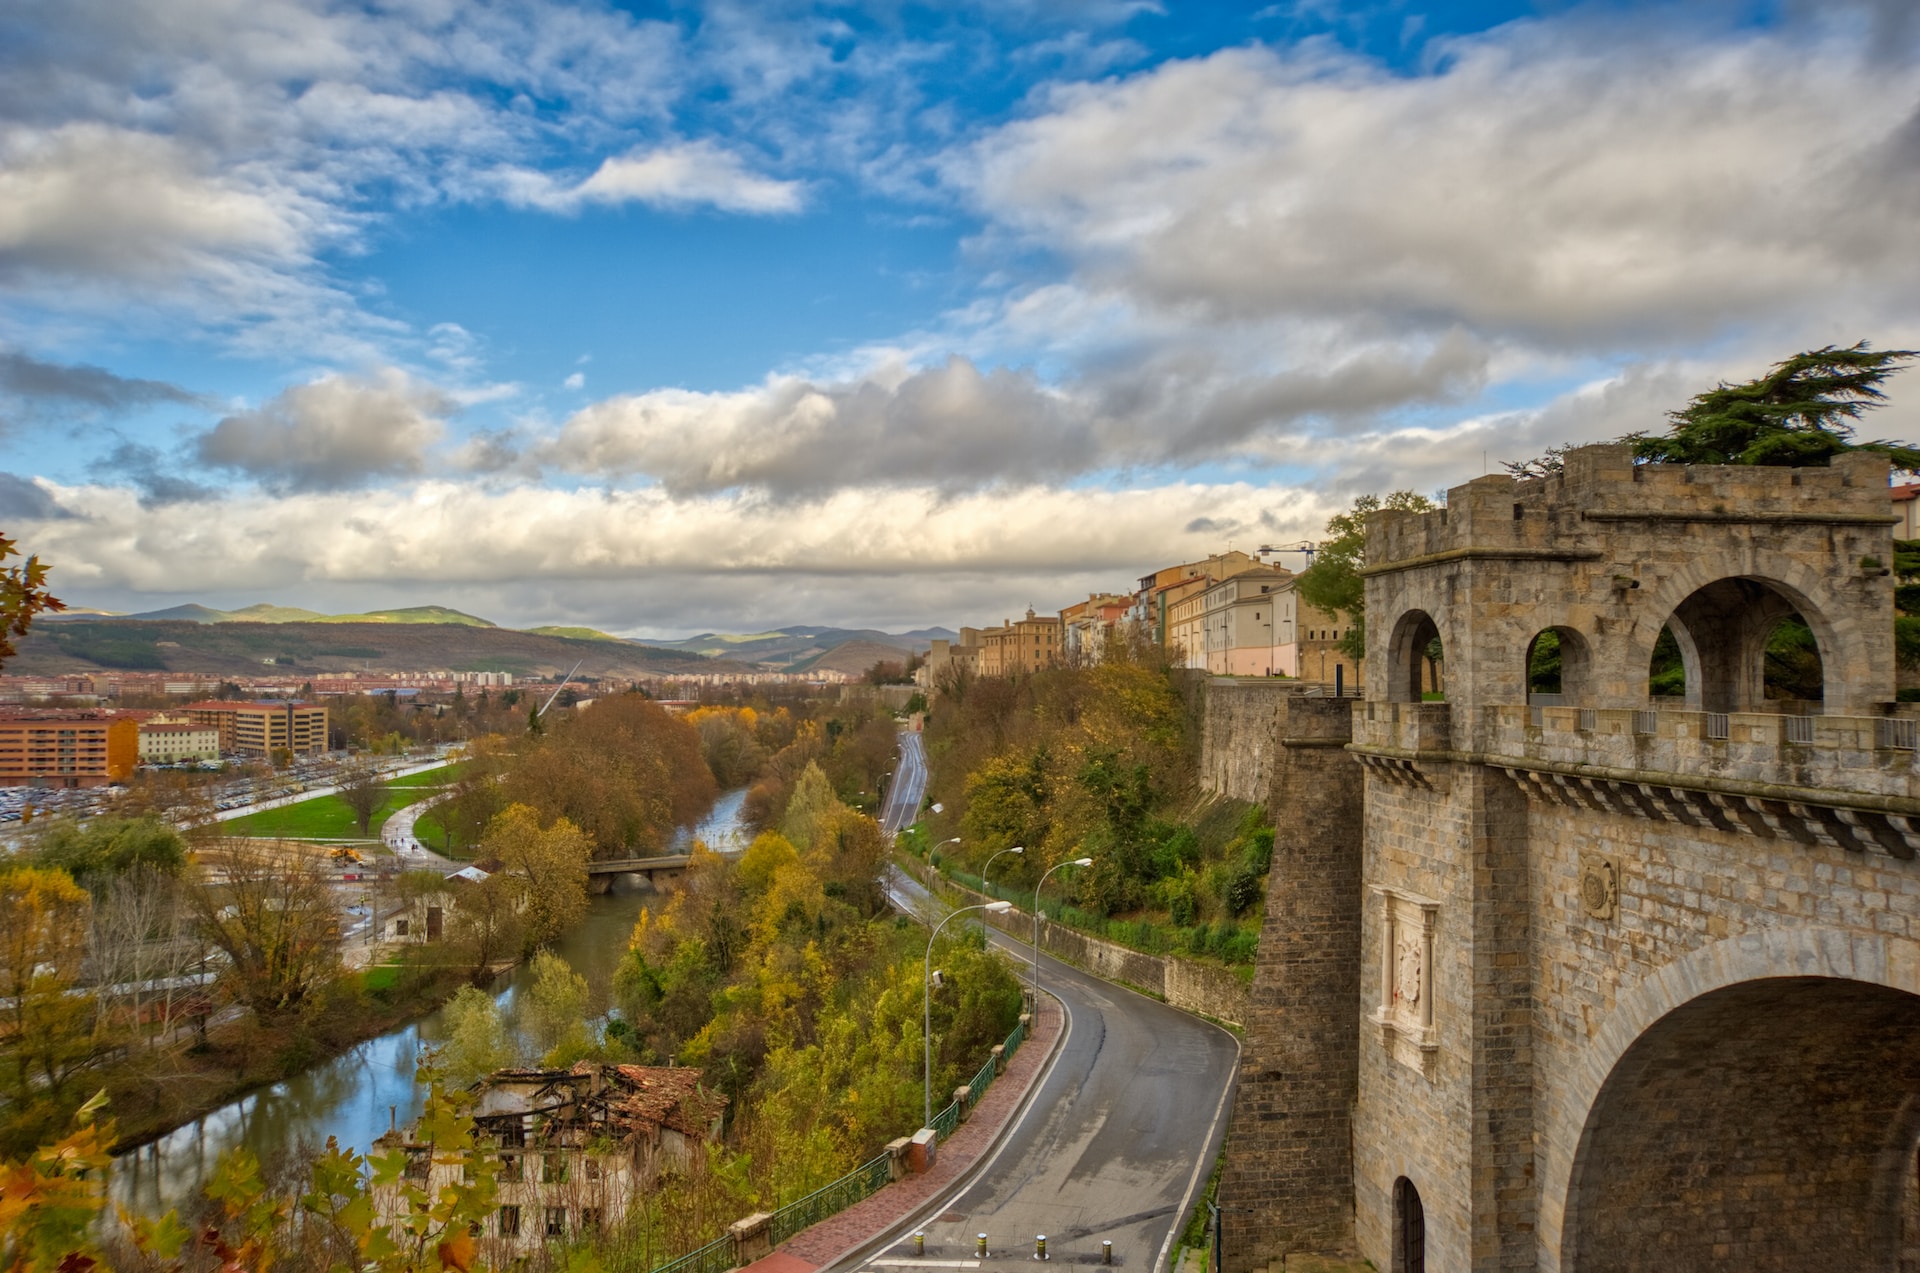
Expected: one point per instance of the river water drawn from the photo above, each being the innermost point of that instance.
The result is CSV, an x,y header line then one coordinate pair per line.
x,y
356,1096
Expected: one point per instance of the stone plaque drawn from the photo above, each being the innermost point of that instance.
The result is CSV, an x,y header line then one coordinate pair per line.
x,y
1599,888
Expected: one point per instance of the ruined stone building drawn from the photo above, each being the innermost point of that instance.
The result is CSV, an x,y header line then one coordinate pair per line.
x,y
575,1147
1597,981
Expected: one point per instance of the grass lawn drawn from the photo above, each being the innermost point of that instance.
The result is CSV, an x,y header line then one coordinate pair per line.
x,y
328,818
432,832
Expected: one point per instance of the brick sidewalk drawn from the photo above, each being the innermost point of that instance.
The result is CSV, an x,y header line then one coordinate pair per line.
x,y
834,1237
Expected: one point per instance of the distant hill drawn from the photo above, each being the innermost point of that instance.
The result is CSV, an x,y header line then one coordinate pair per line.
x,y
799,649
267,612
300,650
578,634
853,657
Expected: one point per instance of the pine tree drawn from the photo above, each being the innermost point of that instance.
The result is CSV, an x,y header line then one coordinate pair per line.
x,y
1799,414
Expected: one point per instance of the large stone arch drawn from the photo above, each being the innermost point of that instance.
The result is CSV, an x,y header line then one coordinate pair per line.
x,y
1867,973
1405,663
1855,662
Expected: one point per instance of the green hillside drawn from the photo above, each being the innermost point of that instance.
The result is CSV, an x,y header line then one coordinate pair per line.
x,y
575,634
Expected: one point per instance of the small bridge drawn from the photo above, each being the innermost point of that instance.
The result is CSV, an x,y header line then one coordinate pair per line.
x,y
600,875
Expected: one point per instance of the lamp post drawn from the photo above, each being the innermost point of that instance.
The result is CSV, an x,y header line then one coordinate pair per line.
x,y
926,997
1036,924
1018,848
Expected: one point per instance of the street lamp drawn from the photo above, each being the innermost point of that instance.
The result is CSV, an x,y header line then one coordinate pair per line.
x,y
1036,924
926,996
1018,848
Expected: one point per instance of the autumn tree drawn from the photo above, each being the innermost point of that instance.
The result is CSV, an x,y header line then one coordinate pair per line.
x,y
550,866
23,595
49,1025
486,926
269,909
363,792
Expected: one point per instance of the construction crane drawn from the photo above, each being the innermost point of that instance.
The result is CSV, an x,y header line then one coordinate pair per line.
x,y
1306,546
556,690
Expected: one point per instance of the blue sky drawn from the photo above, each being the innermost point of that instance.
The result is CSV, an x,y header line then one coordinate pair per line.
x,y
673,317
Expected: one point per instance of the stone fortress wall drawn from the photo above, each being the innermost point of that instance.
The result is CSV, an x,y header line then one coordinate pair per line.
x,y
1603,983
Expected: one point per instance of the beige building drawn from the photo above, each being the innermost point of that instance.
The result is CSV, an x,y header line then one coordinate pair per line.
x,y
260,729
1236,618
1087,626
166,741
1019,645
575,1147
1152,601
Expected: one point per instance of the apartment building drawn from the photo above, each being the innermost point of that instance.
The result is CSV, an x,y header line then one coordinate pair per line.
x,y
1087,626
1152,600
49,747
1018,645
166,741
260,729
1236,617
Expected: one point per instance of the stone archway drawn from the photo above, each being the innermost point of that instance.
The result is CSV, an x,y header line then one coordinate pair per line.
x,y
1409,669
1569,1106
1769,1125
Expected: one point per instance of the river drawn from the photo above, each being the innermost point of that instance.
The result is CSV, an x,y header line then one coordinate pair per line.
x,y
356,1096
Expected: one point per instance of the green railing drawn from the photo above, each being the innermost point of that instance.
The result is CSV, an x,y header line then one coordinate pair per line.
x,y
715,1257
860,1183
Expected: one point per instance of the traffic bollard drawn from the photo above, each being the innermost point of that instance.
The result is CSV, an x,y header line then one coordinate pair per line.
x,y
919,1244
1039,1246
980,1246
1106,1253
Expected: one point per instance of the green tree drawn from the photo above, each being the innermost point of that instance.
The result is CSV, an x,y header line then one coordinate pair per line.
x,y
1333,582
1799,414
555,1011
476,1043
107,847
550,864
46,1024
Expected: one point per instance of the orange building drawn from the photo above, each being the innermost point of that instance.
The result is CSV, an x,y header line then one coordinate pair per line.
x,y
46,747
260,729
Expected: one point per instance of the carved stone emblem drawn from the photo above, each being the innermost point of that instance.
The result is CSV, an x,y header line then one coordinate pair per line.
x,y
1599,888
1406,976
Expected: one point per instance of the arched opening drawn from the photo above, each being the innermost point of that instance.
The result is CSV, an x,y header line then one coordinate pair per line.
x,y
1739,645
1770,1125
1557,667
1416,660
1409,1229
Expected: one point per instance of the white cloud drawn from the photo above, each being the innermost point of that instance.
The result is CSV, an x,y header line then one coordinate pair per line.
x,y
1561,184
684,175
577,380
333,433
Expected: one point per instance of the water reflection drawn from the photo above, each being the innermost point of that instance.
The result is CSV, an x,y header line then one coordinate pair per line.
x,y
358,1095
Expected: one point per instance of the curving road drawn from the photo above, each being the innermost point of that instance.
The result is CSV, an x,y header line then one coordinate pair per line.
x,y
1115,1145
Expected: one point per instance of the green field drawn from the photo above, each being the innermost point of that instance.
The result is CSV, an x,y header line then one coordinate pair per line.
x,y
328,818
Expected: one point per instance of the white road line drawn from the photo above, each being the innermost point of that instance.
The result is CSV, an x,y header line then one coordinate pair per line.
x,y
1202,1163
923,1264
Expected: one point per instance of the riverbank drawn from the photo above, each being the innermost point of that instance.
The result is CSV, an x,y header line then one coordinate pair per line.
x,y
150,1096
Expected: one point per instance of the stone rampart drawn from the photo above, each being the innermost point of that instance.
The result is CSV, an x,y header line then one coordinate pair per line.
x,y
1239,736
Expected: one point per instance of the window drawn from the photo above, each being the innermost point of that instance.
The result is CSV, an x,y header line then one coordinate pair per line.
x,y
510,1168
594,1169
553,1169
419,1163
590,1219
556,1222
508,1225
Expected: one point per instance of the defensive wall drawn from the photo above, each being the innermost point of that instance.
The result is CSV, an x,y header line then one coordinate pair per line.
x,y
1602,981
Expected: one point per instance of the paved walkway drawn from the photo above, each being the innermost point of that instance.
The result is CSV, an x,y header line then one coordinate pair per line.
x,y
971,1142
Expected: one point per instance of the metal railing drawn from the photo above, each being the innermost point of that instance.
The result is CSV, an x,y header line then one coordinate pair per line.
x,y
1718,726
718,1256
857,1185
715,1257
1898,732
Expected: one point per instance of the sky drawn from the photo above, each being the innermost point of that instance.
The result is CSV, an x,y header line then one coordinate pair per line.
x,y
670,317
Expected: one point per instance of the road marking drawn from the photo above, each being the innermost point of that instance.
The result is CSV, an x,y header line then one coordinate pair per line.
x,y
1202,1163
925,1264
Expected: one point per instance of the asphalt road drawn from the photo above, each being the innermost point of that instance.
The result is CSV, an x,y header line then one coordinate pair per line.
x,y
902,803
1116,1144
